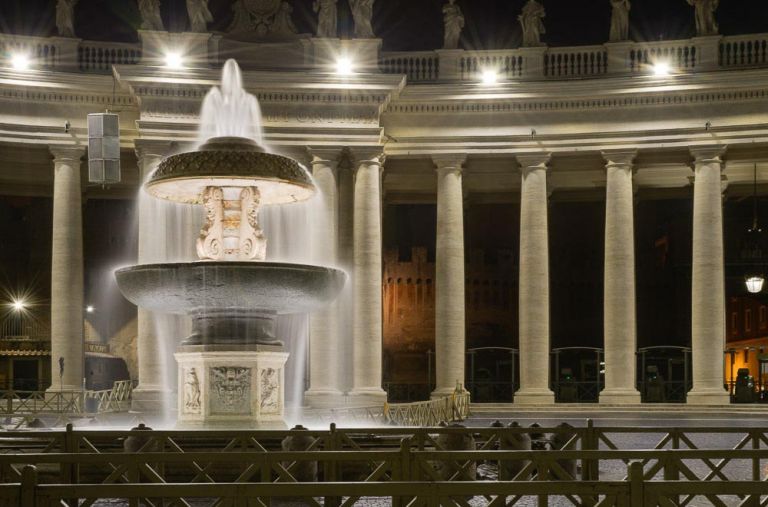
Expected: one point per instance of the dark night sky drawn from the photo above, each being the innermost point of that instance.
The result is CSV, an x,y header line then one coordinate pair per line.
x,y
414,24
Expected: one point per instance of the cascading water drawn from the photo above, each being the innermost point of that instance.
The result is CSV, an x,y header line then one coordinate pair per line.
x,y
232,365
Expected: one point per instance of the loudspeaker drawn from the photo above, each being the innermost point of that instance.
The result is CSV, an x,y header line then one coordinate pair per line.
x,y
103,148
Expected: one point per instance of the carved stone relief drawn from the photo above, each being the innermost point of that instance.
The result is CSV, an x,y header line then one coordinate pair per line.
x,y
270,392
230,390
191,392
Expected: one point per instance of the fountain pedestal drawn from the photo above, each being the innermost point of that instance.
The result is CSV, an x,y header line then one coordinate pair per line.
x,y
231,386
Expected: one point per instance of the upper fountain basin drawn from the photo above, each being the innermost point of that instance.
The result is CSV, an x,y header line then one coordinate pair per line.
x,y
195,287
230,162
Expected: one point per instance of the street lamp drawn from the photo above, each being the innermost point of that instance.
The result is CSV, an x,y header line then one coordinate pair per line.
x,y
753,246
18,305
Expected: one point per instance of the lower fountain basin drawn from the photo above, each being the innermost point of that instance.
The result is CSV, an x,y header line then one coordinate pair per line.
x,y
230,302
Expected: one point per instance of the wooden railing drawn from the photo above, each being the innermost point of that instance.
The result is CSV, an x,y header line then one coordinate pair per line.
x,y
409,465
31,403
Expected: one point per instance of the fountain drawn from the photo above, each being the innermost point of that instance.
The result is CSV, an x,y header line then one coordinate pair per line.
x,y
231,367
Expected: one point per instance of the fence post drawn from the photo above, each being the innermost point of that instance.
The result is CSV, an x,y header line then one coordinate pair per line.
x,y
636,484
590,468
28,496
331,471
69,471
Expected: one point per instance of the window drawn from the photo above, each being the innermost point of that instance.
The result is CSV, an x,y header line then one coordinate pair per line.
x,y
763,317
748,321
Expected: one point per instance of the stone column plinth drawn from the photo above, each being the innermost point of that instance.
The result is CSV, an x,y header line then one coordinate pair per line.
x,y
534,283
67,271
620,328
231,386
449,277
708,283
152,394
324,343
366,320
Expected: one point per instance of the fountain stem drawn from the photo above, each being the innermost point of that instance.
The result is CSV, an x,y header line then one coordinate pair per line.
x,y
231,231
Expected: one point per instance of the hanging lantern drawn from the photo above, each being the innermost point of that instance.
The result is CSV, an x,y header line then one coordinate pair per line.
x,y
103,148
755,284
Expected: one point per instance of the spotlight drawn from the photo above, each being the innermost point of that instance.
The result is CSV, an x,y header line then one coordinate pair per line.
x,y
20,61
18,305
344,67
661,69
489,77
89,309
174,61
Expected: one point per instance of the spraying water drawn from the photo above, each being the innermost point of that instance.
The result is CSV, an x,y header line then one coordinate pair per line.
x,y
230,111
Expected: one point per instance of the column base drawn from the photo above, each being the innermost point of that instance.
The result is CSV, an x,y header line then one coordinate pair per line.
x,y
324,398
534,397
442,392
619,397
150,400
708,397
366,397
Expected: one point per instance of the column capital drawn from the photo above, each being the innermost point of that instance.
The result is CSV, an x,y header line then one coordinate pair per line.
x,y
150,148
450,162
529,161
331,155
708,153
63,153
367,155
619,158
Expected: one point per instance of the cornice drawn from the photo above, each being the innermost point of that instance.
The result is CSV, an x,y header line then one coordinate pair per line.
x,y
586,94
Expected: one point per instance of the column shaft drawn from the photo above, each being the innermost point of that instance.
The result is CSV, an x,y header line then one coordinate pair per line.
x,y
152,392
708,280
449,278
366,325
67,272
323,324
534,283
620,328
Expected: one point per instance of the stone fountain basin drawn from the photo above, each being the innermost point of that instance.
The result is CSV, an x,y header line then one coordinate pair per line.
x,y
202,287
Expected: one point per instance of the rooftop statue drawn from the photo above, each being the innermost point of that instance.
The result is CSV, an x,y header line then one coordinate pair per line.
x,y
262,18
453,20
241,21
283,24
620,20
532,24
326,17
65,17
705,16
362,13
199,15
150,15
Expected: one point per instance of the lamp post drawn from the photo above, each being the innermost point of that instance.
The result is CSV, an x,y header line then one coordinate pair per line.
x,y
753,247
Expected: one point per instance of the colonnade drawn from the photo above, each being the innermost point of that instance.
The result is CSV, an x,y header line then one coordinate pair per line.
x,y
365,210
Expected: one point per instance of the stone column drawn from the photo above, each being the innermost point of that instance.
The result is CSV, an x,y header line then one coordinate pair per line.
x,y
152,393
67,271
619,324
366,326
324,343
449,277
708,284
534,283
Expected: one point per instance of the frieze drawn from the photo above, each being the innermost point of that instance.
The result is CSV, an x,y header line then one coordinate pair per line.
x,y
230,390
270,392
574,104
65,97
